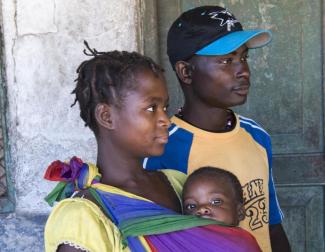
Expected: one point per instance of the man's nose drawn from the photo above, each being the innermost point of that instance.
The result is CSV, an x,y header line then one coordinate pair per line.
x,y
242,70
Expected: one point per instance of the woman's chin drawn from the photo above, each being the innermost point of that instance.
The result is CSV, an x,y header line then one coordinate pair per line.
x,y
158,151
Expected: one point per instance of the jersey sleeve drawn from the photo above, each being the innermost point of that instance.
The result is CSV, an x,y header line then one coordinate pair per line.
x,y
275,212
81,224
263,138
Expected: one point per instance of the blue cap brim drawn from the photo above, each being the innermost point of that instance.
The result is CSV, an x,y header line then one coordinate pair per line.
x,y
234,40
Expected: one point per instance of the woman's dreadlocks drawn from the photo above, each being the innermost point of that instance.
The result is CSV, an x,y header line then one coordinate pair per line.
x,y
106,77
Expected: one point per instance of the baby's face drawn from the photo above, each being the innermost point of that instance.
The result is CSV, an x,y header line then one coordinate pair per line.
x,y
213,198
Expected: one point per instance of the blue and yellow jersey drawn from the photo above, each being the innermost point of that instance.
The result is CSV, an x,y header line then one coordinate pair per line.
x,y
245,151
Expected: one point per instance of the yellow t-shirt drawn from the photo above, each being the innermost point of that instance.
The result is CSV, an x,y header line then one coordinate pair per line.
x,y
81,223
245,151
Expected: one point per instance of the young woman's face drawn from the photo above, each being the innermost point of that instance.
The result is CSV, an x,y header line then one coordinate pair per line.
x,y
212,198
141,124
221,81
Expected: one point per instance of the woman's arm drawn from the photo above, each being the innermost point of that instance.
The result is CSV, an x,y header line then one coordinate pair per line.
x,y
68,248
79,221
279,240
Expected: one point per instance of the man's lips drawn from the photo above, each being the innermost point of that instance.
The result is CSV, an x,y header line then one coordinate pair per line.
x,y
241,90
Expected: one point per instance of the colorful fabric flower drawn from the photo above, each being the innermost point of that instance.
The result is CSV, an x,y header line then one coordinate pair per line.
x,y
66,173
61,171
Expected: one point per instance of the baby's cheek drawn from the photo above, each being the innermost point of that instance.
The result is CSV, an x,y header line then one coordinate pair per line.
x,y
187,212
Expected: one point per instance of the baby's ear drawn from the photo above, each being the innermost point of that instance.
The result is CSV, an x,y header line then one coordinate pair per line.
x,y
241,212
104,115
184,71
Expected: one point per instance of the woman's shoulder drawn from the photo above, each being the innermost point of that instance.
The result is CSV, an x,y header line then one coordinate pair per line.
x,y
76,207
80,223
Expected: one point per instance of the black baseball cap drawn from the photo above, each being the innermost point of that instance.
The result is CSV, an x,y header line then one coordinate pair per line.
x,y
210,30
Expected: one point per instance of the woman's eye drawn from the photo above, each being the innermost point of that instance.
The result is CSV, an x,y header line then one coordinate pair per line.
x,y
216,202
190,206
166,108
151,108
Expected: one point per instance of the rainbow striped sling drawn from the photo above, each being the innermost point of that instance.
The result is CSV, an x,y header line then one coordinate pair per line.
x,y
144,225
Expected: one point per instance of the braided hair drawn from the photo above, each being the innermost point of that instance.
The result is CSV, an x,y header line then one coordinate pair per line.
x,y
217,173
106,78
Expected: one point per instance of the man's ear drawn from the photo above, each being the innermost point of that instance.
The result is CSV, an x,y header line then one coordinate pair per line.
x,y
184,71
104,115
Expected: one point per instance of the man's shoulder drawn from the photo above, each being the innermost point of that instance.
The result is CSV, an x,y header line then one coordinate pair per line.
x,y
176,152
256,131
251,125
180,129
178,133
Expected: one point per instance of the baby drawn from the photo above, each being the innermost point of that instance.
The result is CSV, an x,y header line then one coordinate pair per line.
x,y
214,193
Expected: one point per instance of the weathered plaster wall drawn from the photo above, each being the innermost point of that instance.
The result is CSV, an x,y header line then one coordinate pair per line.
x,y
43,43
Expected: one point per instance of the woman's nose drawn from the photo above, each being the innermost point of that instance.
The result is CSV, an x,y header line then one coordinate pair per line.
x,y
164,120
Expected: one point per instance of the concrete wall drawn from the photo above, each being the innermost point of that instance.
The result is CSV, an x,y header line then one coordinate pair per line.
x,y
43,43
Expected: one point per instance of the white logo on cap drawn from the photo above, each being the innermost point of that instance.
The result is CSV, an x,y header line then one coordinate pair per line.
x,y
230,21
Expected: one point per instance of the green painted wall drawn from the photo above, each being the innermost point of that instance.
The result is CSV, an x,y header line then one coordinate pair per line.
x,y
286,98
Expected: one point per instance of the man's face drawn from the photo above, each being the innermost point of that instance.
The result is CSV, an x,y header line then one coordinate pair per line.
x,y
221,81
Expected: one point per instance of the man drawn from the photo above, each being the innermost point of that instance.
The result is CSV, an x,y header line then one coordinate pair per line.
x,y
208,49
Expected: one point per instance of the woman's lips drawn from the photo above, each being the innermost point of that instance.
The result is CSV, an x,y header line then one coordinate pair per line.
x,y
162,139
